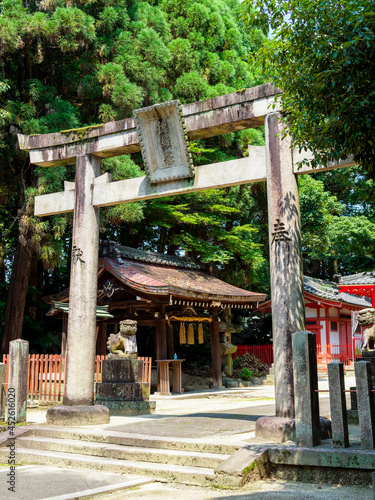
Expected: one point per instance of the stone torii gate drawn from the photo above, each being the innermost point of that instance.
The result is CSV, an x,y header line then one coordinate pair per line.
x,y
275,162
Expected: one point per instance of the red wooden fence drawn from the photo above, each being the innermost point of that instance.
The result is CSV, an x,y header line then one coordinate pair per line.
x,y
46,375
326,353
262,352
346,354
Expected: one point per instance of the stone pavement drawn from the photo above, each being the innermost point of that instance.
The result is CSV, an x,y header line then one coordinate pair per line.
x,y
37,482
216,416
261,490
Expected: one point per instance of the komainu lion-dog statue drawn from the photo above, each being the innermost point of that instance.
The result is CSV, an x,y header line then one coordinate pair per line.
x,y
124,343
366,319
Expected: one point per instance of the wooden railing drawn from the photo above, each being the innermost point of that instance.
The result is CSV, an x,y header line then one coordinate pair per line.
x,y
46,375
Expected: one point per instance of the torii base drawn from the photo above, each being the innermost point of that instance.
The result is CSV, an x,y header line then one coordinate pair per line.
x,y
280,430
72,416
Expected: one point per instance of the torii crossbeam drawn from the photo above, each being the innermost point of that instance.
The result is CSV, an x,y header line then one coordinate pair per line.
x,y
275,162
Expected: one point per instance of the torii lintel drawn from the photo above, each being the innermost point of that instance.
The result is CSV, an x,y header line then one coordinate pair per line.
x,y
217,116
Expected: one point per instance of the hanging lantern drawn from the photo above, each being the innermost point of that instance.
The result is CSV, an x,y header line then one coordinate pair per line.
x,y
182,333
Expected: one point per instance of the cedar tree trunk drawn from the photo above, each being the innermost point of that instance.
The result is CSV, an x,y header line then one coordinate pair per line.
x,y
15,307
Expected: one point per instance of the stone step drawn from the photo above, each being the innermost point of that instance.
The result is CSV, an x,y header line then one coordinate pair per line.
x,y
167,472
134,453
131,439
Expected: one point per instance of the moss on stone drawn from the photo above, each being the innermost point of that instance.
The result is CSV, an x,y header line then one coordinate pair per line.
x,y
80,134
249,469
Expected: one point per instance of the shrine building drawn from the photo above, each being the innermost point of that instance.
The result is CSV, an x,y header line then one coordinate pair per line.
x,y
330,313
163,292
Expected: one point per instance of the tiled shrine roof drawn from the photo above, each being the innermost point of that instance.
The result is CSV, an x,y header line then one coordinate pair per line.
x,y
330,290
174,278
158,258
367,278
322,290
171,276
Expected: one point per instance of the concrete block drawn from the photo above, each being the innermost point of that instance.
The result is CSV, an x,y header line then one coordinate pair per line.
x,y
248,464
122,390
346,458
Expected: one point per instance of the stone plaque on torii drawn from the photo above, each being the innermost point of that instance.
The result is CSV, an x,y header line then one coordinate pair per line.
x,y
276,163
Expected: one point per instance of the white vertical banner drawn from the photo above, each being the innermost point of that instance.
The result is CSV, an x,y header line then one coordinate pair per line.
x,y
354,322
356,342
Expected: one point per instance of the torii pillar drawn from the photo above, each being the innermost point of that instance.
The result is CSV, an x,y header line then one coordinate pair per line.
x,y
287,294
78,403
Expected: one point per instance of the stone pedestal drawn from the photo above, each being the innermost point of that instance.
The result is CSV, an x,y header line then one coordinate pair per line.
x,y
122,390
17,385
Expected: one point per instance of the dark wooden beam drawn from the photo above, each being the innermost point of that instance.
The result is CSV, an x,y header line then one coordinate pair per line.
x,y
161,338
215,351
101,343
64,333
170,341
134,304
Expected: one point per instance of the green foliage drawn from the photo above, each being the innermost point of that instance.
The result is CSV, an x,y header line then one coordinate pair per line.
x,y
209,226
256,328
248,365
318,209
68,65
340,243
246,374
191,87
321,55
122,167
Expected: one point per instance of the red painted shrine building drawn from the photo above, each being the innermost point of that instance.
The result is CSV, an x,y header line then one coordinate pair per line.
x,y
361,284
330,313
